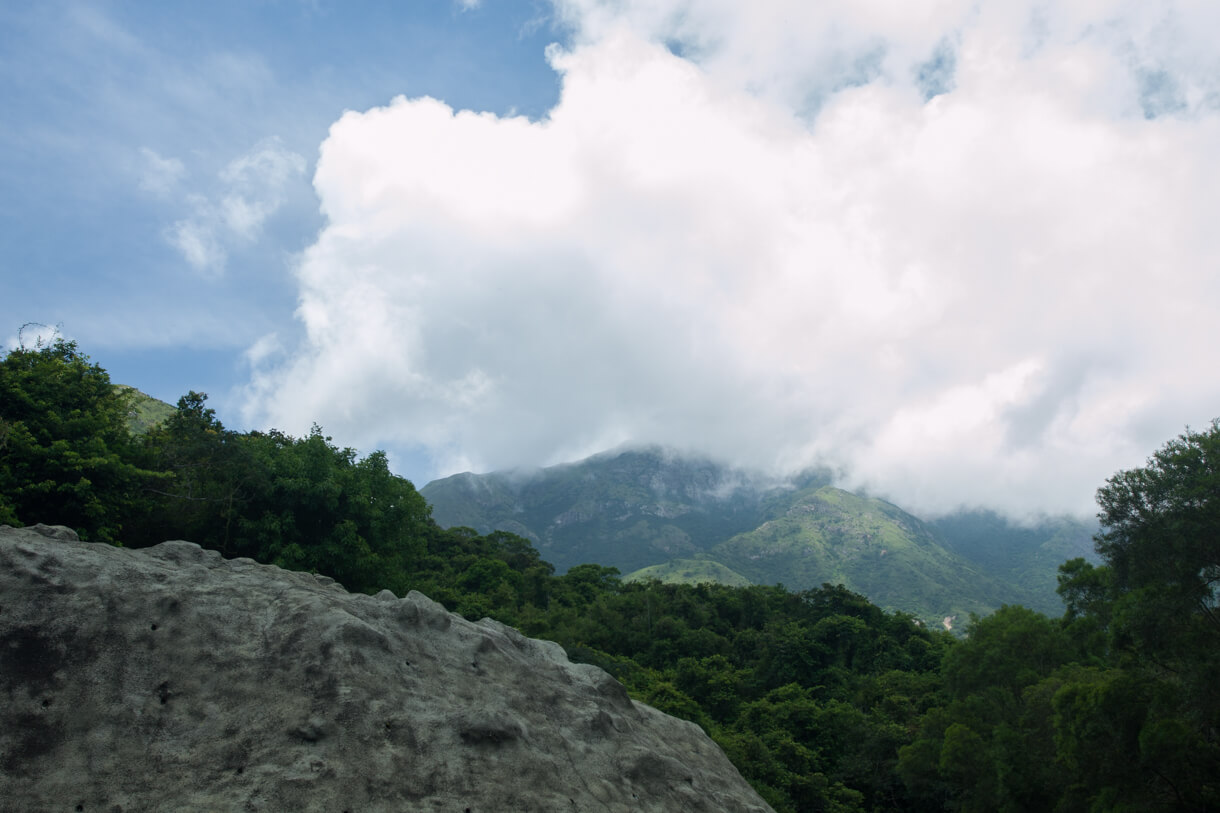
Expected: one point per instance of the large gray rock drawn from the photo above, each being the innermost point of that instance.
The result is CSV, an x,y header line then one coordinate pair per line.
x,y
171,679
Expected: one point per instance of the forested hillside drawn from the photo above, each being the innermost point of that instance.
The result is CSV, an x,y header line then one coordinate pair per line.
x,y
655,513
822,699
875,548
1024,557
629,508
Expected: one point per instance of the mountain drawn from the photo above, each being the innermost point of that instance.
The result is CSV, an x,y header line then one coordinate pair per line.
x,y
690,571
827,535
168,678
146,412
627,508
1025,555
652,513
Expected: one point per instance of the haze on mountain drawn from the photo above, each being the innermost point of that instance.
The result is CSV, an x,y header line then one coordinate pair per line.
x,y
656,514
962,255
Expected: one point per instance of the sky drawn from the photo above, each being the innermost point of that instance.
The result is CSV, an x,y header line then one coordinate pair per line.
x,y
962,252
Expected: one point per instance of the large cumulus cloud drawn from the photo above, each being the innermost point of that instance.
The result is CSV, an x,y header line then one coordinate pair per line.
x,y
966,255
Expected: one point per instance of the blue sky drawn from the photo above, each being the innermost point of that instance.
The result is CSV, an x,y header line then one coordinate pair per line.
x,y
963,252
99,94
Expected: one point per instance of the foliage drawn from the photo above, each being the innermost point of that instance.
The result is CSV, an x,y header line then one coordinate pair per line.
x,y
1161,545
1115,706
299,503
68,457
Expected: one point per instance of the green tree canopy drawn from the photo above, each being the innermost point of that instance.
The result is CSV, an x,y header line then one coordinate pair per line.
x,y
68,457
1161,539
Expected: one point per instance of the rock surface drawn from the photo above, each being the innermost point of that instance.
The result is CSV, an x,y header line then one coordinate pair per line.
x,y
171,679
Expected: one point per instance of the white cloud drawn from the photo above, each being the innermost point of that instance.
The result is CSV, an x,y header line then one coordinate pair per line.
x,y
252,187
255,184
264,350
158,175
781,248
198,243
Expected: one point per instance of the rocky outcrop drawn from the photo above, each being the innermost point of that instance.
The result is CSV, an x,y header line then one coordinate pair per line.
x,y
172,679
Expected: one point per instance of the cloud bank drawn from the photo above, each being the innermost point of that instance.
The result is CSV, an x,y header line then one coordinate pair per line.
x,y
964,254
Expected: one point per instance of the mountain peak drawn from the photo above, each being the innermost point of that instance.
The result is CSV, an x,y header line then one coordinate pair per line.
x,y
652,511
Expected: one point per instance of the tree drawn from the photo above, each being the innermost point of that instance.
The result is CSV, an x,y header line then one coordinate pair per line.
x,y
68,455
992,746
316,507
1088,596
209,476
1012,648
1160,540
582,583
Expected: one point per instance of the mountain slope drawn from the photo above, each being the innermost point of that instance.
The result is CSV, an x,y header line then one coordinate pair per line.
x,y
655,514
690,571
627,509
1027,556
827,535
147,411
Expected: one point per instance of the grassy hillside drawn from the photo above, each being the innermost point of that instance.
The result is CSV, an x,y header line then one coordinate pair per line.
x,y
827,535
147,412
689,571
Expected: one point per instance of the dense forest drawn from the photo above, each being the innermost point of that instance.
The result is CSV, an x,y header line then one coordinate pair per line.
x,y
823,701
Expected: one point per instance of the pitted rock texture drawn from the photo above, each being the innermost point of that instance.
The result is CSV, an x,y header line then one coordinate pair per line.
x,y
171,679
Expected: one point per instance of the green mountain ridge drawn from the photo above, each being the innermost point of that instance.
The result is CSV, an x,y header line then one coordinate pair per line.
x,y
146,411
827,535
653,513
689,571
628,509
